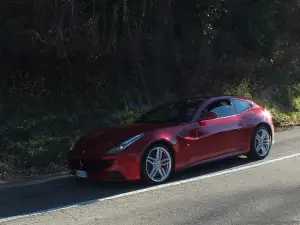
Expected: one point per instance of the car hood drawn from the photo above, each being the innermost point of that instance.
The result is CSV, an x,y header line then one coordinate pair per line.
x,y
98,142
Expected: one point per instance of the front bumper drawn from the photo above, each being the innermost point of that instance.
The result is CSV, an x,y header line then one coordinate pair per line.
x,y
108,168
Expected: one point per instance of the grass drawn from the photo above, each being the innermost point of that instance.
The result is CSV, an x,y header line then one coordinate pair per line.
x,y
37,142
285,120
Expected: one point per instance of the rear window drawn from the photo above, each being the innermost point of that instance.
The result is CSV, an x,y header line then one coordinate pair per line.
x,y
241,105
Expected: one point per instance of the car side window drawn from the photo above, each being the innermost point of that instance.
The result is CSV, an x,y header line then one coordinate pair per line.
x,y
241,105
222,108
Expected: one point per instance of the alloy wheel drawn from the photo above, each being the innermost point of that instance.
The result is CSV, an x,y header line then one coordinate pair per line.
x,y
158,164
262,142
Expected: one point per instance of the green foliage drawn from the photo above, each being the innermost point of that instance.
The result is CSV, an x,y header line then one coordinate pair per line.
x,y
127,116
242,89
296,104
295,96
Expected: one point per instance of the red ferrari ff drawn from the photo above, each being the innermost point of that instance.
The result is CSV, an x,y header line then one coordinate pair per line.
x,y
172,137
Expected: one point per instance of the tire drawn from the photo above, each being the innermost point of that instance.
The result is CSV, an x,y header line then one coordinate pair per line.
x,y
162,169
256,151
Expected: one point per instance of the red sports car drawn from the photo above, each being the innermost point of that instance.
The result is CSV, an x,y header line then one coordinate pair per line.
x,y
172,137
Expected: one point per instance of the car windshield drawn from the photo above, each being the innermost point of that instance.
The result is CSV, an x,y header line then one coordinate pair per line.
x,y
178,112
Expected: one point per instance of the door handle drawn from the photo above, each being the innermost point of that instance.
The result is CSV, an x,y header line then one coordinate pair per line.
x,y
241,123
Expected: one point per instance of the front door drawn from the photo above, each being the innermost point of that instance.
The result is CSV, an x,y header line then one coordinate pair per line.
x,y
217,136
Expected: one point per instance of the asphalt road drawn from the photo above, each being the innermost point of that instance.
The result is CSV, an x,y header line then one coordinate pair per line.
x,y
234,191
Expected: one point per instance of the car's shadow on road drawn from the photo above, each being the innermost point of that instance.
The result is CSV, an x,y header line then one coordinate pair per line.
x,y
71,191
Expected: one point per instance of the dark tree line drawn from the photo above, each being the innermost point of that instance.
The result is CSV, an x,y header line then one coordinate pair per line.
x,y
140,51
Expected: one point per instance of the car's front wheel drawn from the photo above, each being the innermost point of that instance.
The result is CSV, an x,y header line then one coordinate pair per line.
x,y
261,143
157,165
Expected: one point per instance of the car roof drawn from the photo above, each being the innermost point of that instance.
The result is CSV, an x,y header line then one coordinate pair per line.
x,y
242,97
209,98
216,97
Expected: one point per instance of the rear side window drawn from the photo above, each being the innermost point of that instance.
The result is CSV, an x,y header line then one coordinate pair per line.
x,y
241,105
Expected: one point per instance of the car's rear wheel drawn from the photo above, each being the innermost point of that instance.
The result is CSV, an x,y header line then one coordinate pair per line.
x,y
261,143
157,164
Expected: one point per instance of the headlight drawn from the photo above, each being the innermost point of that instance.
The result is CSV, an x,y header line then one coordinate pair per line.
x,y
124,145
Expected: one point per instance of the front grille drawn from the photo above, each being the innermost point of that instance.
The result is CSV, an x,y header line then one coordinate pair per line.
x,y
89,165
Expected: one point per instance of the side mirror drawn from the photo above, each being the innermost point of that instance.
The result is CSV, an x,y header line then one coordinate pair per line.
x,y
209,116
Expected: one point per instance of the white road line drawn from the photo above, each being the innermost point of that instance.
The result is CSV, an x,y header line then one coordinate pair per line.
x,y
240,168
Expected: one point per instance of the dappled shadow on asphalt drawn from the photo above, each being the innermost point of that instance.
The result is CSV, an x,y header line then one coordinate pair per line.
x,y
71,191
